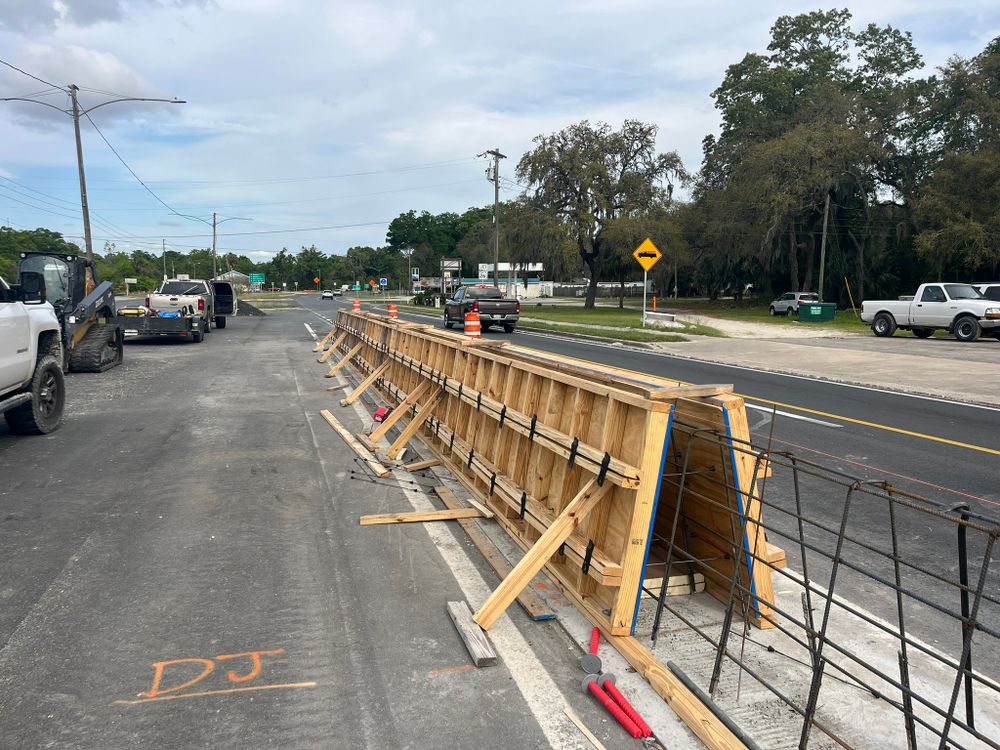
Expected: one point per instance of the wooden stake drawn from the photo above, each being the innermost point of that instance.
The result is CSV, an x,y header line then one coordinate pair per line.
x,y
598,745
383,519
419,465
472,635
414,425
539,554
333,347
365,384
366,455
347,358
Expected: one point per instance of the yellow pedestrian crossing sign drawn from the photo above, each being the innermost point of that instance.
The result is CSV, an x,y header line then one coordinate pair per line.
x,y
647,254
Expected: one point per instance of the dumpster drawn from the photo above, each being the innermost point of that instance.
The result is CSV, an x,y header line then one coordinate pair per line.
x,y
817,312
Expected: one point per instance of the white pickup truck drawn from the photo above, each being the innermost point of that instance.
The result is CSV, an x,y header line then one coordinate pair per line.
x,y
959,309
32,389
211,301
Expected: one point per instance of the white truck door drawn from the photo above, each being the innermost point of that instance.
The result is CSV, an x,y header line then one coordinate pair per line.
x,y
15,341
932,309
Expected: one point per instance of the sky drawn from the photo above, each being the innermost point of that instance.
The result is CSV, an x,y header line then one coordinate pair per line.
x,y
318,122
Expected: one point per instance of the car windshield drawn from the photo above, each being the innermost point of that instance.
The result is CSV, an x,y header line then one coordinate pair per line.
x,y
490,292
962,291
181,287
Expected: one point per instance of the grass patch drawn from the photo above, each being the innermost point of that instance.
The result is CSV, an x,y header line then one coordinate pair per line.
x,y
604,333
275,305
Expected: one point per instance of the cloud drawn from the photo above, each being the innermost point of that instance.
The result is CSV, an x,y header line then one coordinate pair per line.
x,y
282,93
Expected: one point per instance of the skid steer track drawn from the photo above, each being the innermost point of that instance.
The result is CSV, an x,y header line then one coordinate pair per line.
x,y
100,349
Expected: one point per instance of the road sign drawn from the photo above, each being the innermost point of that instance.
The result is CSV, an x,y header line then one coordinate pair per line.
x,y
647,254
484,272
131,281
371,282
383,281
315,279
256,278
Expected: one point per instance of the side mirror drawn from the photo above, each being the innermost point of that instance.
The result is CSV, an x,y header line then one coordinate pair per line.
x,y
33,287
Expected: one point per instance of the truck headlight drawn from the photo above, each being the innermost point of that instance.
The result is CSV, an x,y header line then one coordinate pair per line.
x,y
992,312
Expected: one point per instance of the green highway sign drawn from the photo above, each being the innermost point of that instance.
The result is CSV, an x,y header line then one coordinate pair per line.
x,y
256,278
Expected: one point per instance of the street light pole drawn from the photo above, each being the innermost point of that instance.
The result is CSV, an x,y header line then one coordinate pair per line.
x,y
75,112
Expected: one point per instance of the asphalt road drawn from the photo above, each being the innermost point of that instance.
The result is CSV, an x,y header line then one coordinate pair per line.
x,y
182,567
946,451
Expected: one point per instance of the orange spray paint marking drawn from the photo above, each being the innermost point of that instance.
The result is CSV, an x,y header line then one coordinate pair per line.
x,y
158,667
254,658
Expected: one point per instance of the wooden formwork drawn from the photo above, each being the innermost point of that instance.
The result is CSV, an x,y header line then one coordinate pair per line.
x,y
570,459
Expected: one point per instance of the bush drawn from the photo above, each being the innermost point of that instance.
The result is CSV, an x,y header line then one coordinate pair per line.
x,y
427,298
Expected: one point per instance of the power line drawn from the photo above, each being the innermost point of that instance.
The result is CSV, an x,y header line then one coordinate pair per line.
x,y
132,171
24,72
268,231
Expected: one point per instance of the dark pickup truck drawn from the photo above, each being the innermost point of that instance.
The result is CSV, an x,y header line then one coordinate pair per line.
x,y
488,301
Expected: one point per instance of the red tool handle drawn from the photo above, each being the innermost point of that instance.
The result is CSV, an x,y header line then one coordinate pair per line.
x,y
627,707
595,639
614,710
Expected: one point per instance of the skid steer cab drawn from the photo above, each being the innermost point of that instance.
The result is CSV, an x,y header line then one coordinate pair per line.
x,y
92,340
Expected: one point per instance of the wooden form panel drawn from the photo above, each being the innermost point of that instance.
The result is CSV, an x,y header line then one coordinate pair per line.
x,y
528,431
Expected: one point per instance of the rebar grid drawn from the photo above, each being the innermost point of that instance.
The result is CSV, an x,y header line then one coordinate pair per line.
x,y
827,538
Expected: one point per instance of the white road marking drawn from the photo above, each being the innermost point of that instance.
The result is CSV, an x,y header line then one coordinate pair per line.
x,y
769,410
311,331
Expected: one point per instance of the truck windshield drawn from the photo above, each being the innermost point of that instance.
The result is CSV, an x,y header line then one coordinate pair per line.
x,y
962,291
181,287
56,274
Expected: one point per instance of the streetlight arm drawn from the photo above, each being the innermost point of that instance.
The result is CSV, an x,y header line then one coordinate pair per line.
x,y
131,99
34,101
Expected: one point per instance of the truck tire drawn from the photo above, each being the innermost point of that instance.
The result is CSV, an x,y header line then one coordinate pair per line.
x,y
44,412
220,321
923,333
884,324
508,327
966,328
197,336
447,323
100,349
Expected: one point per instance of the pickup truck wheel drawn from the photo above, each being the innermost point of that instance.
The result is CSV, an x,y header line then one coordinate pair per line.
x,y
883,325
447,323
508,327
220,321
923,333
966,328
44,412
197,336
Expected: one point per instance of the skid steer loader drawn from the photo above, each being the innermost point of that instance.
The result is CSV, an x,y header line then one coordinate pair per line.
x,y
92,340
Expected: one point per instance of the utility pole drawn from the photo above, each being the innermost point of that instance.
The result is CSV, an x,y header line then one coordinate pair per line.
x,y
495,179
822,246
87,242
215,270
75,112
163,254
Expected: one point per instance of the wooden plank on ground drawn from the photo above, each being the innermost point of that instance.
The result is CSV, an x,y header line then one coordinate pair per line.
x,y
347,358
479,646
365,384
448,514
598,745
530,602
333,347
528,567
366,455
325,340
421,465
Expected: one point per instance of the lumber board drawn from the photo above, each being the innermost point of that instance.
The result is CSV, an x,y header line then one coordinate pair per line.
x,y
476,641
366,455
365,384
347,358
411,429
382,519
533,562
399,412
323,341
332,348
533,605
598,745
421,465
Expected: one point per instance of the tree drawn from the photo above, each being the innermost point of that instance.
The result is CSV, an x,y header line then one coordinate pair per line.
x,y
591,175
624,234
